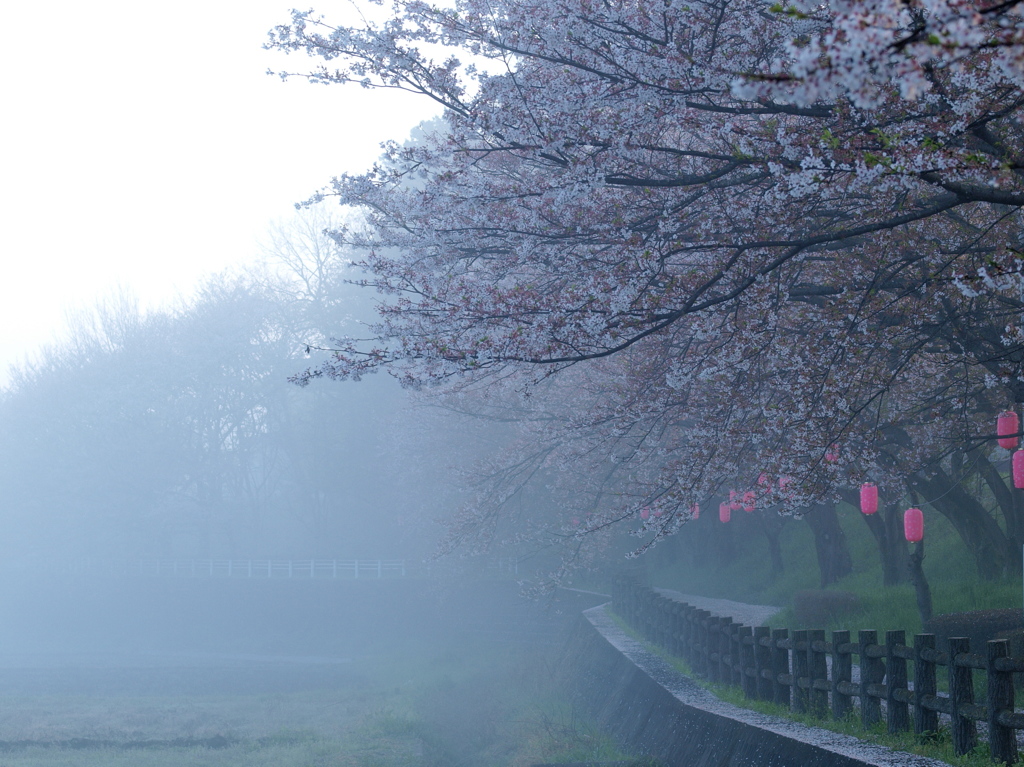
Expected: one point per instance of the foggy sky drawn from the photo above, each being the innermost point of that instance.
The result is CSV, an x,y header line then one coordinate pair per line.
x,y
146,147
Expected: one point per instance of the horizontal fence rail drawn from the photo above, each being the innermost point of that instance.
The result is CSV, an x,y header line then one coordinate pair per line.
x,y
320,569
809,675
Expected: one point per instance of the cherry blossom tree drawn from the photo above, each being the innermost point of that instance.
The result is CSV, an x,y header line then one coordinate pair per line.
x,y
607,174
750,240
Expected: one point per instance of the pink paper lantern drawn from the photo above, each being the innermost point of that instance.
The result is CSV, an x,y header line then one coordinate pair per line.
x,y
763,481
724,512
832,455
658,512
869,498
695,511
913,525
748,501
1007,424
645,513
1018,470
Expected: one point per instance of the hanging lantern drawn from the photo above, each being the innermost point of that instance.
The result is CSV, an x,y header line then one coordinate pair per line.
x,y
763,481
913,525
869,498
1007,424
695,511
748,501
833,453
658,512
1018,470
724,512
645,513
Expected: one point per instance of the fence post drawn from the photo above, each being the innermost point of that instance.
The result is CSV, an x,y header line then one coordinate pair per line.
x,y
665,622
706,646
736,654
659,604
762,662
926,721
638,609
657,631
799,671
688,637
872,671
674,645
842,672
714,663
1002,740
656,634
675,629
683,640
897,716
654,617
724,650
961,692
817,668
746,661
780,667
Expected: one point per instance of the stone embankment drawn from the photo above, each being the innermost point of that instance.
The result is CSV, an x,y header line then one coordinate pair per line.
x,y
653,709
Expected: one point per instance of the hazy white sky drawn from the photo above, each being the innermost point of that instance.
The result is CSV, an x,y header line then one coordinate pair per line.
x,y
144,145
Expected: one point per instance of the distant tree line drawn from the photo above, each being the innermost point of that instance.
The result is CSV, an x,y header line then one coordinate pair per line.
x,y
177,433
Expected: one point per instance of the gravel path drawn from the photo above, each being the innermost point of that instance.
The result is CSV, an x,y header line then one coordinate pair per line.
x,y
748,615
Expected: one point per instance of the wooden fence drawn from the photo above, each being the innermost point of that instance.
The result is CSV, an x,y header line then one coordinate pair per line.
x,y
803,671
240,568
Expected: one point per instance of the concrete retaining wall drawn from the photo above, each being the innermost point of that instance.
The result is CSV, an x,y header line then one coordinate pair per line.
x,y
652,709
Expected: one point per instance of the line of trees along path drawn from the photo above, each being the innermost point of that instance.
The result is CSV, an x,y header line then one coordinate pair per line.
x,y
701,247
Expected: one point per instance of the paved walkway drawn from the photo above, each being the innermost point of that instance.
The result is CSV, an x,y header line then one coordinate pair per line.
x,y
748,615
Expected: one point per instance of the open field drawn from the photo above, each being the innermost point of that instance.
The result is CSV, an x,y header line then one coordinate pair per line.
x,y
199,711
468,707
477,686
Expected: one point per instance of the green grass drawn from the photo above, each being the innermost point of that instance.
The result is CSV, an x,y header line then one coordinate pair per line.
x,y
682,563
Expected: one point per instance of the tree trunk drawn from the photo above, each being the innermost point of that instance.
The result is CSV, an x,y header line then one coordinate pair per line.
x,y
921,589
991,549
771,525
1010,505
887,528
834,560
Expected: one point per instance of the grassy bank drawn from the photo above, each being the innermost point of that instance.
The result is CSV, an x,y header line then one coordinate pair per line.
x,y
687,562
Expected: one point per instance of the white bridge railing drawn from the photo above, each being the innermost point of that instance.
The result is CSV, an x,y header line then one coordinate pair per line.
x,y
320,569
